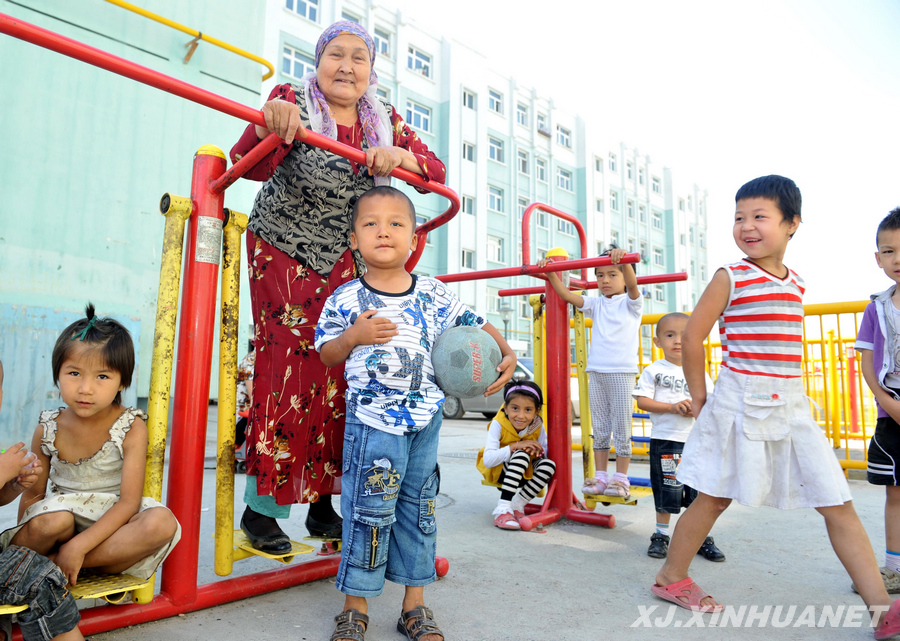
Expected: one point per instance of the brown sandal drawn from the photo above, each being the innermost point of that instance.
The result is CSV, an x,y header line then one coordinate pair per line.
x,y
423,623
350,624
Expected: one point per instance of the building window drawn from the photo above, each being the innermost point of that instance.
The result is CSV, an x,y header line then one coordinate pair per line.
x,y
629,170
658,257
612,162
418,117
382,43
495,249
543,219
642,213
469,151
468,205
641,176
659,293
309,9
522,205
495,149
346,15
613,238
657,220
644,255
523,161
693,270
683,239
295,63
599,205
522,114
524,308
564,179
383,92
566,227
495,101
564,136
613,200
493,296
656,185
631,245
702,273
418,61
540,168
681,204
467,260
690,200
542,124
692,234
629,207
598,164
702,240
495,198
468,99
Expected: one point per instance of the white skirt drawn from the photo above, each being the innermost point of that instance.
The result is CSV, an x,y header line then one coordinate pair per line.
x,y
756,442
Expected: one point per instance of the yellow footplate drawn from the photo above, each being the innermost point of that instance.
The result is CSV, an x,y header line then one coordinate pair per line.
x,y
112,588
636,492
243,549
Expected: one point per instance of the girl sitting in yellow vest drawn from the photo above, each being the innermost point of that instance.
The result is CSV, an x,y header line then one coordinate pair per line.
x,y
513,456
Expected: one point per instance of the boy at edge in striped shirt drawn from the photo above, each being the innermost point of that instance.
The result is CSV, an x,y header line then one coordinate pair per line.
x,y
755,441
877,346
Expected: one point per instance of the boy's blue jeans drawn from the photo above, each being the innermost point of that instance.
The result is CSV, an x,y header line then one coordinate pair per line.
x,y
27,578
388,492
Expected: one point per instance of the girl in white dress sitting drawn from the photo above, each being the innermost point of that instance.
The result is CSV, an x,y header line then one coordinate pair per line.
x,y
93,453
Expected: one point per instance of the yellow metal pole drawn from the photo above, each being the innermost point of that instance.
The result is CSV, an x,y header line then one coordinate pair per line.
x,y
177,210
833,406
584,402
235,225
537,328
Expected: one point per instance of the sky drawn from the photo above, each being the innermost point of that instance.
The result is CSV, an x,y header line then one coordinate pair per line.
x,y
723,92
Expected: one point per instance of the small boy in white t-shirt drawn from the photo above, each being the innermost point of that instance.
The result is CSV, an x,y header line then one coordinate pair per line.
x,y
663,392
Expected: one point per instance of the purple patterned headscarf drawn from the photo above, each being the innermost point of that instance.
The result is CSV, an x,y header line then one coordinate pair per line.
x,y
367,113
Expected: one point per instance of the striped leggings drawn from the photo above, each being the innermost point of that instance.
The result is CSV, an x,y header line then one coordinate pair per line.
x,y
611,405
513,476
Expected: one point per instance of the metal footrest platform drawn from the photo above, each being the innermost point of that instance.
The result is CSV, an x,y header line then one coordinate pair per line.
x,y
243,549
637,492
112,588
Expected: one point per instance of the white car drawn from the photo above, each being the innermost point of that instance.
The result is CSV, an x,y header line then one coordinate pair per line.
x,y
455,407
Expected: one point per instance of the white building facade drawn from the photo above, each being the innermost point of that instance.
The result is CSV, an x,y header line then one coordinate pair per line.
x,y
505,147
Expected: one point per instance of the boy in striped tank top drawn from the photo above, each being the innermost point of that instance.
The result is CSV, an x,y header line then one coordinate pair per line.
x,y
755,441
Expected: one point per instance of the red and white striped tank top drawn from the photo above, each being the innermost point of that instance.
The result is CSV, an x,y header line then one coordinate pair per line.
x,y
761,330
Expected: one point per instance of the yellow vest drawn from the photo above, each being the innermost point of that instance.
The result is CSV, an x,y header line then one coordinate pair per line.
x,y
508,435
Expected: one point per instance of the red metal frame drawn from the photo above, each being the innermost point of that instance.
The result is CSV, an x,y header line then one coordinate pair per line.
x,y
592,284
526,234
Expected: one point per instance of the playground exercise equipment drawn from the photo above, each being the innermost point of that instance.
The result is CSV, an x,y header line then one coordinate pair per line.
x,y
207,221
551,367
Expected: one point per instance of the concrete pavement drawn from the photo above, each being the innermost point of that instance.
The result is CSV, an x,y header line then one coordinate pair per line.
x,y
571,582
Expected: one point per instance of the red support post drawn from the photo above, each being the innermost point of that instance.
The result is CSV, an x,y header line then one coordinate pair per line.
x,y
192,374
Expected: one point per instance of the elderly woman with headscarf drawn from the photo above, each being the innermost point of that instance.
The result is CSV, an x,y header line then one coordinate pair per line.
x,y
298,248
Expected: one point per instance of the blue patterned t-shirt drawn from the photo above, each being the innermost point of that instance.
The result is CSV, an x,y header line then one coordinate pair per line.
x,y
391,386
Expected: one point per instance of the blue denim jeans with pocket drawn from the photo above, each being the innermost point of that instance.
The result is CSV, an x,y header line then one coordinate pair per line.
x,y
27,578
388,491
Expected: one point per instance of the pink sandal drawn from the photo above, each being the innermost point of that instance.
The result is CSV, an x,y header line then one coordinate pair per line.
x,y
687,589
593,486
507,521
890,624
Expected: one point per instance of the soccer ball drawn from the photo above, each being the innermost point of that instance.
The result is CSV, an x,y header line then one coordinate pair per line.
x,y
465,361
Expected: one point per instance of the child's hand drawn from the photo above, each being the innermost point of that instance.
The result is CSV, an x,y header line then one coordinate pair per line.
x,y
69,559
533,448
506,368
543,262
682,408
28,475
616,255
369,330
12,461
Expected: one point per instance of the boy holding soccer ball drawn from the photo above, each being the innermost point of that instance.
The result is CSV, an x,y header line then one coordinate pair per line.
x,y
383,325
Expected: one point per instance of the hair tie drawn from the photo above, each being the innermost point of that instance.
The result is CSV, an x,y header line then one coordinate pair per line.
x,y
83,333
